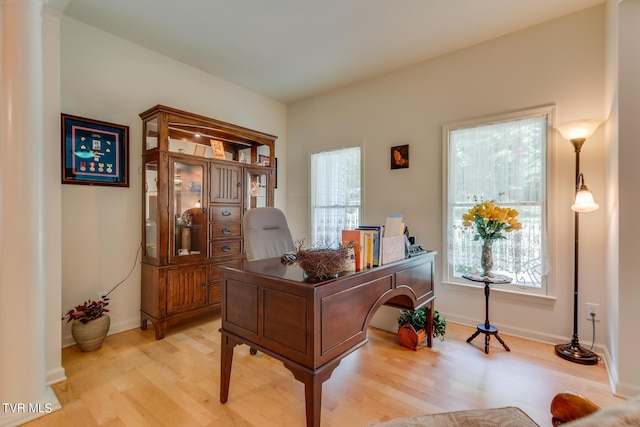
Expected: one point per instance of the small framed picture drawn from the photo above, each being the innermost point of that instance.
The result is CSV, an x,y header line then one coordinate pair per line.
x,y
199,150
263,160
94,152
400,157
218,149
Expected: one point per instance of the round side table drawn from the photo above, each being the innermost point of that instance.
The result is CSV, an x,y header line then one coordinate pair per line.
x,y
486,328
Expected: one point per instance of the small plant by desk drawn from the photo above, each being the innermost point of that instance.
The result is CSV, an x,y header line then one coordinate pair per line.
x,y
412,327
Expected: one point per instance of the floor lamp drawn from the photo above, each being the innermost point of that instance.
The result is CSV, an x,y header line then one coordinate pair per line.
x,y
577,133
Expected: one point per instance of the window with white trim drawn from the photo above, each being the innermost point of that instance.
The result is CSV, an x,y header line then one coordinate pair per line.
x,y
335,194
501,158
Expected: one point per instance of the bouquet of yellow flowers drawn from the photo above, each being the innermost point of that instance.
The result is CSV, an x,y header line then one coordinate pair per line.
x,y
491,220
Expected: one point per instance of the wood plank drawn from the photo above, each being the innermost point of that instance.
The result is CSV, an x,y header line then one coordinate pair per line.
x,y
134,380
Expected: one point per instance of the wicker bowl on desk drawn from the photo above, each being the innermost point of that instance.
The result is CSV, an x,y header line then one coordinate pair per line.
x,y
322,264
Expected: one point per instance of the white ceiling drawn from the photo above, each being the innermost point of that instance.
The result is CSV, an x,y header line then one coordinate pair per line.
x,y
291,49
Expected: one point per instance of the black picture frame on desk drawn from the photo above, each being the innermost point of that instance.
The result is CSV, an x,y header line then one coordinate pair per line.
x,y
94,152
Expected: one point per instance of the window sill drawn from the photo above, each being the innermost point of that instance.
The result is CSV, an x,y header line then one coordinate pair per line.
x,y
504,294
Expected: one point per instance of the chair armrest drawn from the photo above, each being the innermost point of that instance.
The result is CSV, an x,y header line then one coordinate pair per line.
x,y
568,406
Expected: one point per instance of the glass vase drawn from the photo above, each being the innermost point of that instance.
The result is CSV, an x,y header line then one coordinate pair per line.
x,y
486,261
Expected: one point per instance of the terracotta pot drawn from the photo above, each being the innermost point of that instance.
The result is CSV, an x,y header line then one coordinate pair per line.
x,y
411,338
90,336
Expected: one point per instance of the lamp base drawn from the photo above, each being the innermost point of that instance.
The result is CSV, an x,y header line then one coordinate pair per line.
x,y
577,354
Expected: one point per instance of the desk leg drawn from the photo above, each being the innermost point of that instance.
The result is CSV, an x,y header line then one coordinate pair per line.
x,y
312,389
226,359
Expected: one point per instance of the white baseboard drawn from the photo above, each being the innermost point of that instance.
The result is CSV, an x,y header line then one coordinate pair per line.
x,y
56,375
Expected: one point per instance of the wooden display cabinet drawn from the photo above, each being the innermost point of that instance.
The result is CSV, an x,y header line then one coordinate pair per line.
x,y
200,176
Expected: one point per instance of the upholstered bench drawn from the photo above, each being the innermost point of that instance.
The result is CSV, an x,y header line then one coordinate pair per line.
x,y
495,417
568,409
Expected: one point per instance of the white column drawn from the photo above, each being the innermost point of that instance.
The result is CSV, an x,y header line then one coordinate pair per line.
x,y
23,391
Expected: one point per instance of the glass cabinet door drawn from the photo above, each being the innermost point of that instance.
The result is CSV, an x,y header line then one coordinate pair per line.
x,y
257,186
189,218
151,209
151,134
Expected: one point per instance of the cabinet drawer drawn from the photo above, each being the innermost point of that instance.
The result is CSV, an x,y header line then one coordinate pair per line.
x,y
215,292
225,248
231,229
224,213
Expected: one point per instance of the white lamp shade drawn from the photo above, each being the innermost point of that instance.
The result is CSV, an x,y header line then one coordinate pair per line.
x,y
584,201
578,129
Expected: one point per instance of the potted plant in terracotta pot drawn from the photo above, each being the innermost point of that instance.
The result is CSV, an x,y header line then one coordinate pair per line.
x,y
412,332
90,323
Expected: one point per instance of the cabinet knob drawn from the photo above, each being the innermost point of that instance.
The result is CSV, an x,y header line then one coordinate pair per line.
x,y
226,213
239,184
226,248
226,231
204,210
204,285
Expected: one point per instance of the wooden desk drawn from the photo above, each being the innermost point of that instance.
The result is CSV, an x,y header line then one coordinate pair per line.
x,y
311,326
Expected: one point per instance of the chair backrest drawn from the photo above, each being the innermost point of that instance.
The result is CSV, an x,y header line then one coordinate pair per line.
x,y
266,233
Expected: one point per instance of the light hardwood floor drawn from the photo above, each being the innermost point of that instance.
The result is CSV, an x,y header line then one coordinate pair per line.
x,y
134,380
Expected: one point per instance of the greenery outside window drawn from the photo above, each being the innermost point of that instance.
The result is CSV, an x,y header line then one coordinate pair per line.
x,y
335,194
502,158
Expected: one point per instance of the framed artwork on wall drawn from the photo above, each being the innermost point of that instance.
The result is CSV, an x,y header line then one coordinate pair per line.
x,y
94,152
400,157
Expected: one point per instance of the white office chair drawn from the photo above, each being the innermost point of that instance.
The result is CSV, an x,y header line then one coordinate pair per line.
x,y
266,233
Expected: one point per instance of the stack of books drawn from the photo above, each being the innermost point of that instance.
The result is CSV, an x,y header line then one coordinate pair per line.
x,y
366,241
375,245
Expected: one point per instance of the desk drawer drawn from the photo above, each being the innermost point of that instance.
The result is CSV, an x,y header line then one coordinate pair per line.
x,y
419,279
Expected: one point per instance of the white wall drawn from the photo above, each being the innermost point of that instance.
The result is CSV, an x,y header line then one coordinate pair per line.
x,y
559,62
109,79
611,207
628,292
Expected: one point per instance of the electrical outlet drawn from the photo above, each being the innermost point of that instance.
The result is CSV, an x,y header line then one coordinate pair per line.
x,y
592,309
